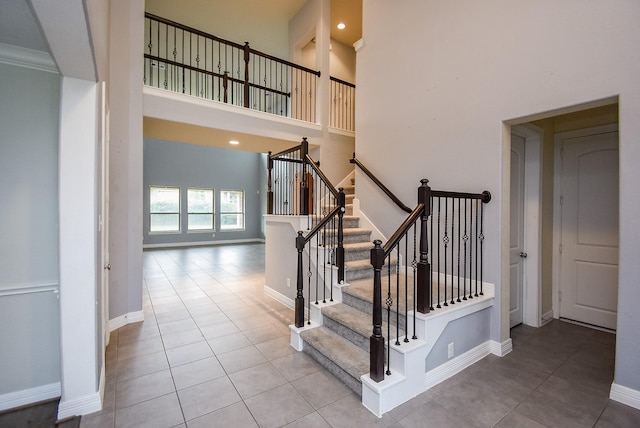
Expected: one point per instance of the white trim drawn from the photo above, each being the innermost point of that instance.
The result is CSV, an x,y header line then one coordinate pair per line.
x,y
80,406
532,290
279,297
203,243
501,349
547,317
28,58
459,363
11,400
125,319
359,44
343,132
14,290
625,395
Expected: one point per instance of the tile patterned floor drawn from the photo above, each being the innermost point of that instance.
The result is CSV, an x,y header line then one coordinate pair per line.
x,y
213,352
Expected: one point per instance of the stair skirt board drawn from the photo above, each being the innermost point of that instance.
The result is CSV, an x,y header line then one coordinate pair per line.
x,y
384,396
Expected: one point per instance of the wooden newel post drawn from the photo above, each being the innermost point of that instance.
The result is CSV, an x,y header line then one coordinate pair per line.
x,y
269,185
247,51
225,84
340,248
299,308
376,341
423,295
304,184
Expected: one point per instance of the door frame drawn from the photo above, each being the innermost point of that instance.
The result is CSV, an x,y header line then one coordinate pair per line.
x,y
557,207
532,291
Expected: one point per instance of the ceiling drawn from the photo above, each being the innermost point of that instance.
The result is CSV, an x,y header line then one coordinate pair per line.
x,y
18,26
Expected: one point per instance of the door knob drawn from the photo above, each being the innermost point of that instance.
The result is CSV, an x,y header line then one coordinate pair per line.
x,y
108,266
523,254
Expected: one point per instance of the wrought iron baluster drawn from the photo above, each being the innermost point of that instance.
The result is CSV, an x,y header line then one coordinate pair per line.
x,y
414,264
439,271
406,291
389,303
397,295
445,241
459,237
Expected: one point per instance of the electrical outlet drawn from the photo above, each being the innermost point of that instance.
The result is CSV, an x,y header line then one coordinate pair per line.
x,y
450,350
288,282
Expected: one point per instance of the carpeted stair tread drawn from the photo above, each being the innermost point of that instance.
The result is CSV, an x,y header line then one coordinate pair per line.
x,y
349,318
346,360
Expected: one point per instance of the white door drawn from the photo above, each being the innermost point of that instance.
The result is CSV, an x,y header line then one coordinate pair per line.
x,y
516,247
589,229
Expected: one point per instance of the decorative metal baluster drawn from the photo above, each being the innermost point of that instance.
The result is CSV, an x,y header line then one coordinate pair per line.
x,y
166,54
471,249
317,263
309,274
439,271
445,241
465,238
397,295
431,256
453,244
389,303
414,264
481,244
459,236
406,291
477,239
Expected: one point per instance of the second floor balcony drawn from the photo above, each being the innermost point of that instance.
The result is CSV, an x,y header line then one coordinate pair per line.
x,y
188,61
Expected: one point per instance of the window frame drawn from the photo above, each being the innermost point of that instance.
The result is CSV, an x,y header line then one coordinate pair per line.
x,y
178,213
212,213
241,212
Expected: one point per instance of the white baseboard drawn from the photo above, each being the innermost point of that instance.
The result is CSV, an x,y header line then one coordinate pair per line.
x,y
203,243
125,319
624,395
279,297
80,406
501,349
28,396
456,365
546,318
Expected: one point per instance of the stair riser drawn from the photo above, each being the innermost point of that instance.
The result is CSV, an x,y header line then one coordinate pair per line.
x,y
351,222
347,333
354,384
352,275
352,255
366,307
355,238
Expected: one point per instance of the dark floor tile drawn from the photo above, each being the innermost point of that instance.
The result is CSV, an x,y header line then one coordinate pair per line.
x,y
553,413
618,415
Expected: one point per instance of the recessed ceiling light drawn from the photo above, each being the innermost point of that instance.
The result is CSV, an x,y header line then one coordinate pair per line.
x,y
234,142
341,26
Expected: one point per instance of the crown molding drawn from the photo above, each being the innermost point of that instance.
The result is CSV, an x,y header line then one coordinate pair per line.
x,y
29,58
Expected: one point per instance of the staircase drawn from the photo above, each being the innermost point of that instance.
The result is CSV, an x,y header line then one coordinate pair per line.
x,y
341,343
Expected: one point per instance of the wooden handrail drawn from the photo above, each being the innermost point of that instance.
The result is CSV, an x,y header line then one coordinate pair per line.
x,y
227,42
343,82
382,187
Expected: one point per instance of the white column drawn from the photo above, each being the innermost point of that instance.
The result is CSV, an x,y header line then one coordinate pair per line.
x,y
78,239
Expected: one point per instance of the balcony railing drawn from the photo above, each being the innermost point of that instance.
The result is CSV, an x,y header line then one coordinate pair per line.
x,y
189,61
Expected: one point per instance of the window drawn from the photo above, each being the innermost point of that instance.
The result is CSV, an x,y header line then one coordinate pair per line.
x,y
164,209
200,209
231,209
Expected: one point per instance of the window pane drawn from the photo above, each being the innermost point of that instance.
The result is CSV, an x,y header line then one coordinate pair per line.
x,y
231,221
200,221
165,222
200,201
232,201
164,200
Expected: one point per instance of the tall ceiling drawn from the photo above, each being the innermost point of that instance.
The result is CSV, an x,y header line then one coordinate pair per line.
x,y
18,27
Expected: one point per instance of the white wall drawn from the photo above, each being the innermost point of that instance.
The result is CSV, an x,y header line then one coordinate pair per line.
x,y
126,159
460,71
256,22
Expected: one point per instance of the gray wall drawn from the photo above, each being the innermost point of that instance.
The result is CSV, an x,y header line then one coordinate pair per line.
x,y
188,165
29,317
465,333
